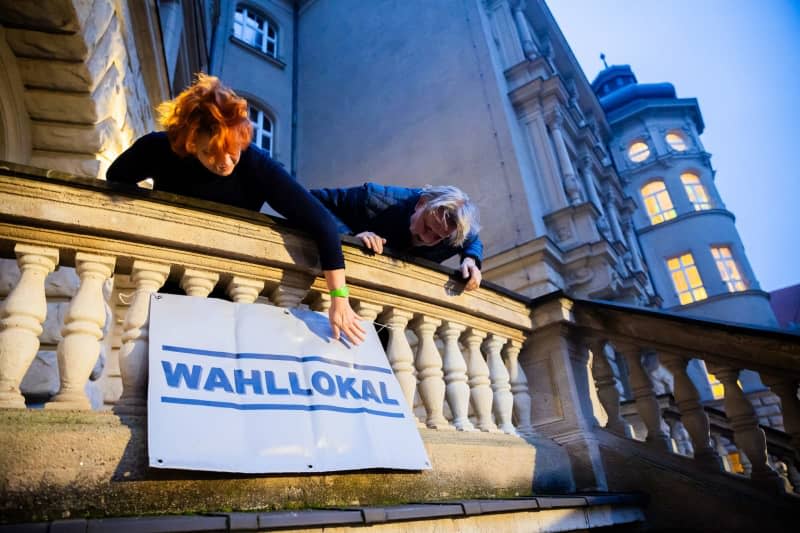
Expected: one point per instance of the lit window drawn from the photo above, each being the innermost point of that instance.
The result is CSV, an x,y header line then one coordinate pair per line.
x,y
638,151
262,129
728,270
657,202
256,30
696,192
676,141
717,388
686,279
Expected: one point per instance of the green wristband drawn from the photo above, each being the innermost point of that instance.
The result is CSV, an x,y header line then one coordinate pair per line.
x,y
341,292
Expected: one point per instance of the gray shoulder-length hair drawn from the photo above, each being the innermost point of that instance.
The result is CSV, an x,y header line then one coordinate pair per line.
x,y
454,207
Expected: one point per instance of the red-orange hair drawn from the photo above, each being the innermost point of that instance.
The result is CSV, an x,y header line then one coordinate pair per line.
x,y
207,107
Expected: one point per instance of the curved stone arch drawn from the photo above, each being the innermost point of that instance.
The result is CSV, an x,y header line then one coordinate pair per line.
x,y
15,128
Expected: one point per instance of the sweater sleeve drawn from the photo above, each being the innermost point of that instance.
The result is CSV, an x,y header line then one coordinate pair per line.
x,y
137,162
473,247
286,196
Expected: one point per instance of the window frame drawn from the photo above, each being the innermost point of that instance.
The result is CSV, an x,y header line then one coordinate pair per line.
x,y
684,272
664,212
263,29
259,132
645,153
681,137
696,192
728,267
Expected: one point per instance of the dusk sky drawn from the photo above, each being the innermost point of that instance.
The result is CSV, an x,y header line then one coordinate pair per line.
x,y
741,60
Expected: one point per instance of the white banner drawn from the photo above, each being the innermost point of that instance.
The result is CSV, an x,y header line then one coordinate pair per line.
x,y
260,389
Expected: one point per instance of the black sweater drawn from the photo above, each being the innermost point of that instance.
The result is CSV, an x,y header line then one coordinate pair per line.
x,y
255,179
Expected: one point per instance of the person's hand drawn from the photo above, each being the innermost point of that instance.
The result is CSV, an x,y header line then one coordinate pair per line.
x,y
344,320
470,270
372,241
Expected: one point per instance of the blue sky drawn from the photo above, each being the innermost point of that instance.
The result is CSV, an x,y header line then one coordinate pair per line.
x,y
741,60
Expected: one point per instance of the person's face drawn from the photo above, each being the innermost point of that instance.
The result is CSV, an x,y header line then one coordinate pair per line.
x,y
428,227
220,167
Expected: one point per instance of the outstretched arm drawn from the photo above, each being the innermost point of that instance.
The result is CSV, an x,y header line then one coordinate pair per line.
x,y
471,257
137,162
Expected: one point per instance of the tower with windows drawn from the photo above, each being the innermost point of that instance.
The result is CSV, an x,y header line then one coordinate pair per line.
x,y
695,256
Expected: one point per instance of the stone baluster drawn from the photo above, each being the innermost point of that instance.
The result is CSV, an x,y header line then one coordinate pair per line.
x,y
292,289
83,328
399,352
571,186
367,311
21,318
429,372
606,384
645,397
321,301
455,375
693,415
519,389
633,246
747,435
478,372
786,389
198,282
503,400
244,290
133,354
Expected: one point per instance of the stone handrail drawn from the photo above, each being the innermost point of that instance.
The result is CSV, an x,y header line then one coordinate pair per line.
x,y
466,344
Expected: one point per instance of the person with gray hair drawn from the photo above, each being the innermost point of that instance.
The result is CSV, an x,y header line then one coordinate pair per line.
x,y
434,222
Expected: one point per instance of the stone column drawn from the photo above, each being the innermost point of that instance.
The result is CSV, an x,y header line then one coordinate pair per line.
x,y
606,385
429,372
524,31
748,436
613,217
594,197
519,388
633,246
21,318
244,290
133,354
399,352
455,375
571,186
478,371
83,328
503,400
198,282
692,414
645,397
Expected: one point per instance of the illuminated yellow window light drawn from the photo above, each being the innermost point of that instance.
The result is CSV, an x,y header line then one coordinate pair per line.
x,y
638,151
686,279
676,141
717,388
657,202
728,270
736,463
695,191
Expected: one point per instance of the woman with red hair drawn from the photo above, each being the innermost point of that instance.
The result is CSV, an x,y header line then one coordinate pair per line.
x,y
206,153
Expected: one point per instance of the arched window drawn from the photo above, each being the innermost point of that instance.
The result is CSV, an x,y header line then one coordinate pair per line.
x,y
686,279
256,30
262,129
676,141
695,191
657,202
638,151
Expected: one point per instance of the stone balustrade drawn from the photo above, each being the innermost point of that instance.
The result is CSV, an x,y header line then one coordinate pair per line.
x,y
467,343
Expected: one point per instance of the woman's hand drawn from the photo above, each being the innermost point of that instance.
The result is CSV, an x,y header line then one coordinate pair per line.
x,y
469,269
372,241
344,320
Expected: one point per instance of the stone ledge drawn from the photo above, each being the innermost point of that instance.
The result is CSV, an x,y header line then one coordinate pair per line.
x,y
94,464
